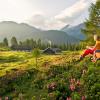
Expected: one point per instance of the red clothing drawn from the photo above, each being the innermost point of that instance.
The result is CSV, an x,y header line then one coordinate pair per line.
x,y
88,51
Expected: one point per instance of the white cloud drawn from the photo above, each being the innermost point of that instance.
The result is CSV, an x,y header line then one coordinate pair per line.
x,y
67,16
40,21
15,10
54,24
71,13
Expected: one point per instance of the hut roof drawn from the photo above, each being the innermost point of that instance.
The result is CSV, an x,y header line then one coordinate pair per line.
x,y
49,51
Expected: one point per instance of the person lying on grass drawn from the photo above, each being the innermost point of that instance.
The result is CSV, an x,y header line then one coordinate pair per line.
x,y
92,49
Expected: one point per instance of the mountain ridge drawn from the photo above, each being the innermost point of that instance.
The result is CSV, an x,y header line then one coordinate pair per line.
x,y
75,31
23,31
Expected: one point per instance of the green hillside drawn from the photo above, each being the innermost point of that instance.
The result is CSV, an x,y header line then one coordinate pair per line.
x,y
23,31
57,37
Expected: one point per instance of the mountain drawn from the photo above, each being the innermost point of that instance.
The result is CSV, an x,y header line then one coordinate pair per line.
x,y
65,27
9,29
57,37
23,31
75,31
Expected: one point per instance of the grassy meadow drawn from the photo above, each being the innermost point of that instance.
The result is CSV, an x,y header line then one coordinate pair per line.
x,y
13,60
20,79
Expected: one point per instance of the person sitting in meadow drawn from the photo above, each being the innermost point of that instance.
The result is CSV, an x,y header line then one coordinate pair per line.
x,y
94,50
96,54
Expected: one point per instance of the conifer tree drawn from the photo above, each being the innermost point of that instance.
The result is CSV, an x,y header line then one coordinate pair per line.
x,y
5,42
92,24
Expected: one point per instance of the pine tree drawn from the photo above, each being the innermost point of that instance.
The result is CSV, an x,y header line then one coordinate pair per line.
x,y
31,43
5,42
39,43
14,41
92,25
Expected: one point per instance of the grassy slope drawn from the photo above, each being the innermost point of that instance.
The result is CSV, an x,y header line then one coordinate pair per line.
x,y
52,68
23,60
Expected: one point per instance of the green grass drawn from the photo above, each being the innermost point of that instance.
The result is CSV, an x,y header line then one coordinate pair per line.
x,y
4,49
23,60
32,82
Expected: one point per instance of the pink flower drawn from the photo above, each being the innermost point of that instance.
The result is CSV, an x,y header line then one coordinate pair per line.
x,y
52,86
68,98
72,80
0,98
78,82
72,87
83,98
6,98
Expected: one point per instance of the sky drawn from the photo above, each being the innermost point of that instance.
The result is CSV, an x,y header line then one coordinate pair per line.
x,y
45,14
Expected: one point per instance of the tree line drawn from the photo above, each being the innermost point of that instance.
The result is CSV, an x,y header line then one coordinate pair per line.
x,y
30,44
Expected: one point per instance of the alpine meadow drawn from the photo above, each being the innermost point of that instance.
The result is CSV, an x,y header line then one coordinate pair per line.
x,y
49,49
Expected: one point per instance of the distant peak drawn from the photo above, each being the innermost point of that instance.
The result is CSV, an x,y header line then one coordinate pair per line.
x,y
9,22
66,26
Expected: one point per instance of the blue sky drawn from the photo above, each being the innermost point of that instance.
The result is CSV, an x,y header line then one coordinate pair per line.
x,y
45,14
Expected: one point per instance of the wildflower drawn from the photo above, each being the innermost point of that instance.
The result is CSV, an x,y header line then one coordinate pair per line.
x,y
72,87
52,86
68,98
83,98
72,80
6,98
78,82
0,98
